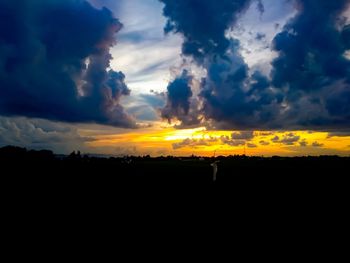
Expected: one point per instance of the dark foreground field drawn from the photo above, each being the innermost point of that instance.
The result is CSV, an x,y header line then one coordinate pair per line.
x,y
247,188
236,173
142,198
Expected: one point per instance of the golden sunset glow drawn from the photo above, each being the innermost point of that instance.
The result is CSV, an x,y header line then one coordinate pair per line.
x,y
163,140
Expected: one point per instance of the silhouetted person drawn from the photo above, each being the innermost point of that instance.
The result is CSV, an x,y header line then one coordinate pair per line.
x,y
215,169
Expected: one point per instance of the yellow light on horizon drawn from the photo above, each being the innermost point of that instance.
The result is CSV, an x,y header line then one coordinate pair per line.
x,y
160,140
184,134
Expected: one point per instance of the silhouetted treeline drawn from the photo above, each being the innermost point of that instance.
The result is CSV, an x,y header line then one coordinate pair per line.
x,y
171,168
12,153
41,177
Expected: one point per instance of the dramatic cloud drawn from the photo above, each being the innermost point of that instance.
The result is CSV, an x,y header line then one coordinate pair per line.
x,y
179,101
309,86
40,134
203,24
179,95
55,59
312,68
230,96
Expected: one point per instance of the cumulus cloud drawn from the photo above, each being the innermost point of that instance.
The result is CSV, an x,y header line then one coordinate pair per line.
x,y
203,24
190,143
309,86
179,100
179,95
243,135
237,139
230,96
311,66
227,140
55,59
193,143
288,139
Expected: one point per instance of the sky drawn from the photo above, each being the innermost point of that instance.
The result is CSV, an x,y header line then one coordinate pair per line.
x,y
166,77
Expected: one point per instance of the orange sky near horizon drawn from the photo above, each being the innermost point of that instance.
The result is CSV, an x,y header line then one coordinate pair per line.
x,y
164,140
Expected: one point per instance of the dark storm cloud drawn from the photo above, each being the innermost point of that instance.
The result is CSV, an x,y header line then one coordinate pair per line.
x,y
54,60
236,100
311,52
309,87
203,24
179,95
311,65
230,96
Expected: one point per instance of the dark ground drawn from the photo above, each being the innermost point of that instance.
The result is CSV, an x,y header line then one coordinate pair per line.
x,y
295,203
236,174
251,194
